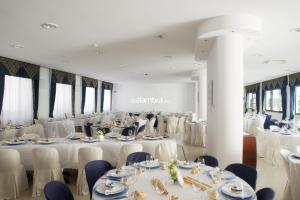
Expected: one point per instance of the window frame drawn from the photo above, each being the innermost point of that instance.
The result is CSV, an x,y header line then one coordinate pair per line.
x,y
271,96
253,106
296,113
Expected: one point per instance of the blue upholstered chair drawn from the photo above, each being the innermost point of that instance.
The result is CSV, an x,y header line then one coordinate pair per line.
x,y
268,122
149,116
141,129
94,170
125,131
56,190
208,160
265,194
245,172
137,157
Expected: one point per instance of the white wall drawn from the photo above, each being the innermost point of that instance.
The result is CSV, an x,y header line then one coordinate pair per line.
x,y
44,93
176,97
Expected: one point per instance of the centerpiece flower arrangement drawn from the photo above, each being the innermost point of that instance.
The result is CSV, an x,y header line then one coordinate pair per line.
x,y
100,135
174,173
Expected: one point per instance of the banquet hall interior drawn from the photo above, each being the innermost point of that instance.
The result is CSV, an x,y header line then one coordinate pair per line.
x,y
150,100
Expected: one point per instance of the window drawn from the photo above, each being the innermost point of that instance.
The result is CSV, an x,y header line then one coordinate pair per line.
x,y
89,105
107,101
63,100
251,104
273,100
297,102
17,101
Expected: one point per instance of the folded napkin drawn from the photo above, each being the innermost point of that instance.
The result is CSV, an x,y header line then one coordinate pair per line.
x,y
139,195
158,184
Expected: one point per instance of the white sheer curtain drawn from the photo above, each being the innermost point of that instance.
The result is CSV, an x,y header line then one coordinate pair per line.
x,y
63,100
107,101
17,101
89,105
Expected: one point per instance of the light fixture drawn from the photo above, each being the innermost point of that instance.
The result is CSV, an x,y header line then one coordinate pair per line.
x,y
146,74
49,26
17,46
168,56
295,30
160,36
277,61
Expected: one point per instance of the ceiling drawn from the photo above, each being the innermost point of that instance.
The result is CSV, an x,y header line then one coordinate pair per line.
x,y
126,34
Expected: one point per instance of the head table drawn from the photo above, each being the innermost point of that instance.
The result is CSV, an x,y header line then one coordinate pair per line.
x,y
68,150
142,183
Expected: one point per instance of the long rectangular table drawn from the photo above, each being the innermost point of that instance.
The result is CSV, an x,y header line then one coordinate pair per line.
x,y
68,150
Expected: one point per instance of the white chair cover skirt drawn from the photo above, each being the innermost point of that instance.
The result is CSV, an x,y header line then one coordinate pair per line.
x,y
13,179
166,151
172,122
46,168
126,150
85,155
294,182
195,133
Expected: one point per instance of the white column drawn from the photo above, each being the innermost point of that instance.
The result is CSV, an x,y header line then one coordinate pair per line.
x,y
202,90
78,95
44,93
196,110
225,105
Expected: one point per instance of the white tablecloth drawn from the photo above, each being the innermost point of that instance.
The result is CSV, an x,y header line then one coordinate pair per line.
x,y
68,150
294,165
143,184
269,143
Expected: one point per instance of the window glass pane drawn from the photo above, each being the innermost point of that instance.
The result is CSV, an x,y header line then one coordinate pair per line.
x,y
297,100
254,101
107,101
268,100
89,106
277,100
17,101
249,103
63,100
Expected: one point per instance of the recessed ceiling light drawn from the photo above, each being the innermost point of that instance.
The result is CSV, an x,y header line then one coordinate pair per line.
x,y
146,74
95,45
160,36
295,30
17,46
49,25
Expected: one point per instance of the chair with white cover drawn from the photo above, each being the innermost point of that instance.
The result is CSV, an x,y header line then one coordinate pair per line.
x,y
126,150
166,151
8,134
172,122
13,179
35,129
65,127
161,125
298,149
151,124
46,168
180,125
85,155
285,155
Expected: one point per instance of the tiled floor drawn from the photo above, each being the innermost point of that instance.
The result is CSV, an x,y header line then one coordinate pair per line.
x,y
268,176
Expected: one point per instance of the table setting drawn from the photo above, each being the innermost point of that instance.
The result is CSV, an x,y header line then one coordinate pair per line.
x,y
169,181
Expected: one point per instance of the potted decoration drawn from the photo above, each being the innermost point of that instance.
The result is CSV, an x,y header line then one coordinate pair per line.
x,y
100,135
174,173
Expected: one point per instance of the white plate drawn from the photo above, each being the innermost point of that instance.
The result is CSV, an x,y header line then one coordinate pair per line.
x,y
149,137
119,173
12,142
46,141
226,175
246,192
149,164
113,135
115,189
89,140
126,138
285,132
187,165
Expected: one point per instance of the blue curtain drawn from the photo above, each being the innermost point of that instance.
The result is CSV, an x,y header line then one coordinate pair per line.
x,y
283,101
2,82
294,81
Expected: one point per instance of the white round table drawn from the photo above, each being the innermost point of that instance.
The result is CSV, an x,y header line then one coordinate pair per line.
x,y
294,182
142,183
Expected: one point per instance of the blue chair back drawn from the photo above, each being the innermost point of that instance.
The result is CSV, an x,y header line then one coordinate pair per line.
x,y
88,129
125,131
94,170
245,172
265,194
137,157
141,129
149,116
208,160
268,122
56,190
